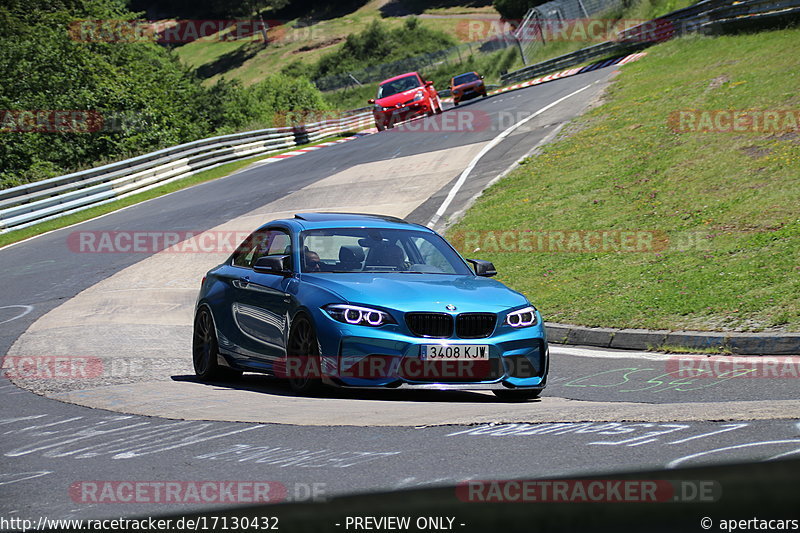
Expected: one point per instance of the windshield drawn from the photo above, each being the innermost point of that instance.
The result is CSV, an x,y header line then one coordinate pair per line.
x,y
465,78
398,86
378,250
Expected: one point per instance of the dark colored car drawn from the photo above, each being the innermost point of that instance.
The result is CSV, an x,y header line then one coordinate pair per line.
x,y
366,301
402,98
467,86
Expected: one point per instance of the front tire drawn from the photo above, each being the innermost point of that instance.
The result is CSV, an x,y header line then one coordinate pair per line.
x,y
205,350
517,395
303,353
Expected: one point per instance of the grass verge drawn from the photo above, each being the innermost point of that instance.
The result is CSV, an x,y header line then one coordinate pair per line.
x,y
672,348
93,212
723,206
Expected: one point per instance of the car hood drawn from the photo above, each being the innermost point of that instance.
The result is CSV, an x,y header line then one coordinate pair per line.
x,y
399,98
419,292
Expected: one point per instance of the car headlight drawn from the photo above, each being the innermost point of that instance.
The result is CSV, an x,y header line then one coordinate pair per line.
x,y
522,318
418,96
358,316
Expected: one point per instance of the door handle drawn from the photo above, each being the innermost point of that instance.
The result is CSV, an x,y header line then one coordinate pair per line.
x,y
242,282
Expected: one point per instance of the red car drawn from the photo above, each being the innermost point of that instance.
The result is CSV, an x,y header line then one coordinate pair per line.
x,y
402,98
466,86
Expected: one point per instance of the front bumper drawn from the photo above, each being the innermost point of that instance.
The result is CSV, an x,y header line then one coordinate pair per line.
x,y
359,356
459,95
403,113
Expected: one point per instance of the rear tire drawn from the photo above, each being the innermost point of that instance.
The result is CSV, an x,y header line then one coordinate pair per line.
x,y
205,350
303,346
517,395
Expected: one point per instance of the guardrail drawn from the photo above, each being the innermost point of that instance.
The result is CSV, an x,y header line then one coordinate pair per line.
x,y
707,16
48,199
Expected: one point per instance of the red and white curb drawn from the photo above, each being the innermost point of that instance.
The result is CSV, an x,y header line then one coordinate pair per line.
x,y
564,74
300,151
293,153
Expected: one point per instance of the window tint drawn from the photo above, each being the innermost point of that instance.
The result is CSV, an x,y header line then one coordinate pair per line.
x,y
259,244
465,78
431,256
398,86
380,250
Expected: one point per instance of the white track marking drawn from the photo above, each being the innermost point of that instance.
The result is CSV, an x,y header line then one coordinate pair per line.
x,y
559,349
25,310
7,479
494,142
599,353
546,139
676,462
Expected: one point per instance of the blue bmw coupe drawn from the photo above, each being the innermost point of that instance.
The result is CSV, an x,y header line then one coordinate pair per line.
x,y
355,300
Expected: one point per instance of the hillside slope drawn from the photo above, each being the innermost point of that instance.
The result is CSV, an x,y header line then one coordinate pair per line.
x,y
720,207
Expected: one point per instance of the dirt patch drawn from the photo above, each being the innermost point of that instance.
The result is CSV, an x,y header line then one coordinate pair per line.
x,y
788,136
755,152
718,82
317,46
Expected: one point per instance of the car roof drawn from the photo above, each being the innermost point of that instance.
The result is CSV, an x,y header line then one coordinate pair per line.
x,y
316,220
400,76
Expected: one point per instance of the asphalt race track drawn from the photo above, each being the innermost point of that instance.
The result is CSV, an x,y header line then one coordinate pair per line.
x,y
144,417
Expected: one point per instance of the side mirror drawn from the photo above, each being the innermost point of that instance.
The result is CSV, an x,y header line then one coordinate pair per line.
x,y
273,264
371,101
484,269
428,84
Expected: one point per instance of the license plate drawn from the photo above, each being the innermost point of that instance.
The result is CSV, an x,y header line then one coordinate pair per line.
x,y
455,352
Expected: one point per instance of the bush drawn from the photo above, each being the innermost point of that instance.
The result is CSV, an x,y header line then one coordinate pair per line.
x,y
377,44
148,100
